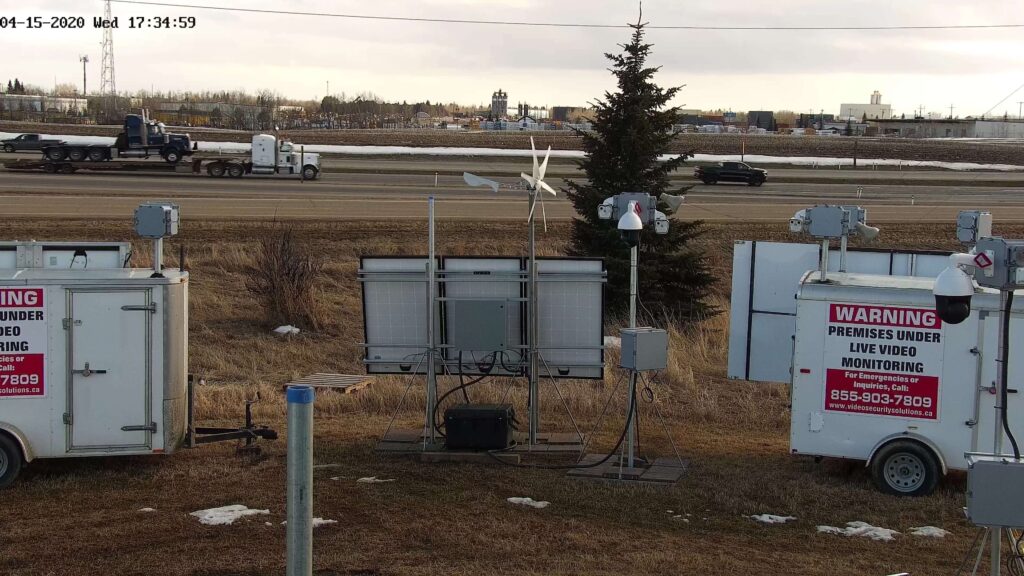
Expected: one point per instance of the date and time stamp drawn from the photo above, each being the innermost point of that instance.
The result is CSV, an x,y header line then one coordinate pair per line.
x,y
82,22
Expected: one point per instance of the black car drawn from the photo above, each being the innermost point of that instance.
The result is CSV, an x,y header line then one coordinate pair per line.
x,y
731,172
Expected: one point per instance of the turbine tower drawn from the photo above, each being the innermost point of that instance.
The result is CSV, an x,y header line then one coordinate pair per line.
x,y
107,84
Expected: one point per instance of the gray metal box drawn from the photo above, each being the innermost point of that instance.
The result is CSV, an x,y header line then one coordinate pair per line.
x,y
826,221
995,491
1007,269
477,324
156,220
644,349
973,224
648,204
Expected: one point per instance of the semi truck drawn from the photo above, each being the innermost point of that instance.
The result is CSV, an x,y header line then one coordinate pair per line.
x,y
268,157
139,138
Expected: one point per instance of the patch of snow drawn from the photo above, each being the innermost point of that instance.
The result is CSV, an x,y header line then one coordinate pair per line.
x,y
687,520
285,330
373,480
929,532
268,523
317,522
147,509
225,514
771,518
669,512
863,529
529,502
612,342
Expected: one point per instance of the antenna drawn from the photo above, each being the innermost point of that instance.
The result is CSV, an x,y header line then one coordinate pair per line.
x,y
84,59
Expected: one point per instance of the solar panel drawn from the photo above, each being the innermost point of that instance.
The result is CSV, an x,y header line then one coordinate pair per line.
x,y
570,333
395,314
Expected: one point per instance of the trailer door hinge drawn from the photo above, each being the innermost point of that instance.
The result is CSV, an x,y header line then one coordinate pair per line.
x,y
67,418
151,308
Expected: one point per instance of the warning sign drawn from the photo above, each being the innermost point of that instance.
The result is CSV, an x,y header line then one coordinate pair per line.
x,y
883,360
22,342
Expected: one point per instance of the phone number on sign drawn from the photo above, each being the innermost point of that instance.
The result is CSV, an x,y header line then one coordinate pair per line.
x,y
881,398
19,379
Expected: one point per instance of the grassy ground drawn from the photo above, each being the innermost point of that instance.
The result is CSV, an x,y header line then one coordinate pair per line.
x,y
76,517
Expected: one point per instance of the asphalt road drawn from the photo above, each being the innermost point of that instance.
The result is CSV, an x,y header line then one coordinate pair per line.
x,y
389,196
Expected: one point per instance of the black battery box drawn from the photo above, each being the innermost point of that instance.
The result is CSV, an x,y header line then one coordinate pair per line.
x,y
479,426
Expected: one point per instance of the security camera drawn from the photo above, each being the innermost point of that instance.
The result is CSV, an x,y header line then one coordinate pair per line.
x,y
953,290
798,222
660,222
630,225
604,211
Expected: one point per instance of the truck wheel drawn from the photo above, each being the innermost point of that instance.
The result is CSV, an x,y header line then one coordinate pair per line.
x,y
50,168
76,154
172,155
755,182
8,148
216,169
710,181
96,155
235,170
56,154
10,460
905,468
67,169
310,172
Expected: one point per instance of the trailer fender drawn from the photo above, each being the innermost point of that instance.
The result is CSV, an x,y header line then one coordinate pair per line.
x,y
19,437
908,436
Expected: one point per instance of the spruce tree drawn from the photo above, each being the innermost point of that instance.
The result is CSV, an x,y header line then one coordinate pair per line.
x,y
631,129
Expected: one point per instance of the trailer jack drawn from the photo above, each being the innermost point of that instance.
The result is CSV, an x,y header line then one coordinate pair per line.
x,y
247,435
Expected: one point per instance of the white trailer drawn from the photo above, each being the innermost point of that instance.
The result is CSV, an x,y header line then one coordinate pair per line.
x,y
874,374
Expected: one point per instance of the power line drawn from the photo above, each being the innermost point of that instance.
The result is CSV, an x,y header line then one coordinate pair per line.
x,y
563,24
1015,90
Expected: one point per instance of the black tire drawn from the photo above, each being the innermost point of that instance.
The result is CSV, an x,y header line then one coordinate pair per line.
x,y
216,169
50,168
67,169
309,172
97,155
755,181
56,154
906,468
710,181
77,154
8,148
172,155
236,170
11,461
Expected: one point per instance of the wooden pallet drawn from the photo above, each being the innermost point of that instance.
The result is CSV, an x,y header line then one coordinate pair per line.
x,y
661,472
344,383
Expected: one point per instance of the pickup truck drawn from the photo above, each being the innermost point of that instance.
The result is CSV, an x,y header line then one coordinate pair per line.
x,y
731,172
27,142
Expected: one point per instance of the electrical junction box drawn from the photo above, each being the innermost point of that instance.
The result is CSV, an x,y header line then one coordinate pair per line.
x,y
826,221
1006,270
156,220
994,494
648,205
644,349
479,426
477,324
973,224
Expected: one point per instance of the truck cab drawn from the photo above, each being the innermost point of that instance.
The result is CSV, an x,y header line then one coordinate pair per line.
x,y
144,137
271,156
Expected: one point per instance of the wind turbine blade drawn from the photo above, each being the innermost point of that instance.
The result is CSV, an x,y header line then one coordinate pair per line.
x,y
474,180
543,212
529,179
536,168
529,218
549,189
544,166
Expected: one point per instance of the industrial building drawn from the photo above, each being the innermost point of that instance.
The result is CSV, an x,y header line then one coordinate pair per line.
x,y
33,103
969,128
499,104
760,119
874,110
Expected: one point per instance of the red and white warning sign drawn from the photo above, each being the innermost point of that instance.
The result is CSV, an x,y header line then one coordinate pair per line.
x,y
883,360
22,342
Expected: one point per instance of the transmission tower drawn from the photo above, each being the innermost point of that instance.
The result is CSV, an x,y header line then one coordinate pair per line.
x,y
107,85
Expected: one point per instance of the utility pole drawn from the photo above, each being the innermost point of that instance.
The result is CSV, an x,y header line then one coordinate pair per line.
x,y
84,60
1020,107
950,111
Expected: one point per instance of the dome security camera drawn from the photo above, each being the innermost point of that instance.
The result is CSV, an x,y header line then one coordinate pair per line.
x,y
953,290
630,225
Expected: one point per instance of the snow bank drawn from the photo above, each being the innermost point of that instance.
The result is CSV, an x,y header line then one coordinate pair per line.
x,y
244,147
771,518
225,514
529,502
863,529
929,532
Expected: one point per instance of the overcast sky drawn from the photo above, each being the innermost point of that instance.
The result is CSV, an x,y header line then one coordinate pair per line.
x,y
738,70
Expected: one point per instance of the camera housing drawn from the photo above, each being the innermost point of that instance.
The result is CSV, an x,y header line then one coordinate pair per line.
x,y
953,290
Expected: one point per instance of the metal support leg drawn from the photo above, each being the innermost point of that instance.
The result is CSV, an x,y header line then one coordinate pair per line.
x,y
300,481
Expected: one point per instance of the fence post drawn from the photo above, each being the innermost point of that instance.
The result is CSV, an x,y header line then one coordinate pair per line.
x,y
300,481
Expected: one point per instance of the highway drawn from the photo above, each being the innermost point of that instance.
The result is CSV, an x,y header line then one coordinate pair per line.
x,y
401,194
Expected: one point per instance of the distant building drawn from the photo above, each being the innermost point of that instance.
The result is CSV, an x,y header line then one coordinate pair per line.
x,y
499,104
571,114
875,110
946,128
761,119
814,120
30,103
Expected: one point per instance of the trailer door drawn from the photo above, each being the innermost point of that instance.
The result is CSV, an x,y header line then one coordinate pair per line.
x,y
109,355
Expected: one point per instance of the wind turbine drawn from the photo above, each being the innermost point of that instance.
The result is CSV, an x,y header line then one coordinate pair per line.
x,y
535,186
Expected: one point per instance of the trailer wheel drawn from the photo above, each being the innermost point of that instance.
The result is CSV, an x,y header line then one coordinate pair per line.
x,y
67,169
56,154
171,155
96,155
76,154
309,172
8,148
50,168
235,170
10,460
215,169
905,468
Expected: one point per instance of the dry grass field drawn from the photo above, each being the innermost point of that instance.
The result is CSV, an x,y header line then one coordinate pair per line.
x,y
76,517
771,145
